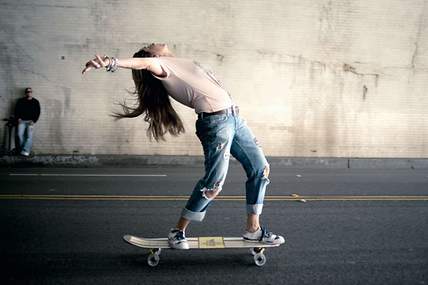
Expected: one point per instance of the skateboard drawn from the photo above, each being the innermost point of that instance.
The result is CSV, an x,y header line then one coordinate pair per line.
x,y
155,246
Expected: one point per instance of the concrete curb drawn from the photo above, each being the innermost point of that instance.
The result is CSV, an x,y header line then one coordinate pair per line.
x,y
146,160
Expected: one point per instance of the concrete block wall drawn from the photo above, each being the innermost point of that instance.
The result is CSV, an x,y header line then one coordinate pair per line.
x,y
312,78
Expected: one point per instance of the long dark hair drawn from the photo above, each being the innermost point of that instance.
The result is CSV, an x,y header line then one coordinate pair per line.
x,y
153,102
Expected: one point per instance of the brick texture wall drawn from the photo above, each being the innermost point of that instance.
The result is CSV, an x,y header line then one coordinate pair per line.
x,y
312,77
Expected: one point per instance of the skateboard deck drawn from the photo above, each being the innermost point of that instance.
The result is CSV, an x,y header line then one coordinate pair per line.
x,y
155,245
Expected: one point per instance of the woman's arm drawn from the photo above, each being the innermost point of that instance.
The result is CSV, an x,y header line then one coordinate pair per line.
x,y
151,64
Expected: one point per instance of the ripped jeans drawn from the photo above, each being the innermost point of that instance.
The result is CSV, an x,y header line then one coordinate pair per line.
x,y
222,135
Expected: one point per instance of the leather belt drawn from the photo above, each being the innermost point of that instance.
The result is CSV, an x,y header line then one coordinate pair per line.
x,y
234,111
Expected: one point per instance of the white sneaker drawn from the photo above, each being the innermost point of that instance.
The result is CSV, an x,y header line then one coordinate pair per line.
x,y
24,153
177,239
264,236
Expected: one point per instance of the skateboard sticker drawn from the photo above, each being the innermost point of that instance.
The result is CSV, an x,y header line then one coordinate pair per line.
x,y
211,242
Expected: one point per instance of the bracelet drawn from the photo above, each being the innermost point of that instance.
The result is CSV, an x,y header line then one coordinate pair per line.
x,y
112,66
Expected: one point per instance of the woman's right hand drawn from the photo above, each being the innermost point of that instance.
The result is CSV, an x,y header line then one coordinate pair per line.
x,y
96,63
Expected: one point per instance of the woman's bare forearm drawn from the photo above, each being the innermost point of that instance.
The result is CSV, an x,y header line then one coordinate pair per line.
x,y
111,64
149,64
134,63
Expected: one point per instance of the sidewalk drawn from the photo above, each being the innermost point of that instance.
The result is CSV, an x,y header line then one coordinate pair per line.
x,y
144,160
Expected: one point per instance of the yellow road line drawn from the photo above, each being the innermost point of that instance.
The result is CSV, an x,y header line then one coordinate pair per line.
x,y
221,198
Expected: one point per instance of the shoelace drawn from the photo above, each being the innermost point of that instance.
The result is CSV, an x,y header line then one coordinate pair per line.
x,y
265,233
179,235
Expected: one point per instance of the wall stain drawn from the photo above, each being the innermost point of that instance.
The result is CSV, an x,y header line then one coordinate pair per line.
x,y
220,57
350,68
67,97
365,89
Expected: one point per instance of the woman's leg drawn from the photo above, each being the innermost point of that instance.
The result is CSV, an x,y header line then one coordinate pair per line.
x,y
248,152
182,224
253,222
216,135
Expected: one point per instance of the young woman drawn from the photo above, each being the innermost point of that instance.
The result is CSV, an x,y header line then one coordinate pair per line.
x,y
157,74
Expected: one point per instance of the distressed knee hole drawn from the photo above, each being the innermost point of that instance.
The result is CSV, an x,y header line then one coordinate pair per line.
x,y
256,141
211,193
266,171
220,146
226,155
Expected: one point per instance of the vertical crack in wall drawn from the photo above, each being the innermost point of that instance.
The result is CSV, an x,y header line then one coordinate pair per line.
x,y
417,38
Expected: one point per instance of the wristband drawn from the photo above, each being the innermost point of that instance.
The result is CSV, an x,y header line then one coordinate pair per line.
x,y
112,66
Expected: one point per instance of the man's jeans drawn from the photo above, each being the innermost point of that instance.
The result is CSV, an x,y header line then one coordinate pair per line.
x,y
25,136
222,135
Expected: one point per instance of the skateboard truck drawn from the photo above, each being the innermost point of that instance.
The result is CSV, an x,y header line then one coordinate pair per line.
x,y
154,257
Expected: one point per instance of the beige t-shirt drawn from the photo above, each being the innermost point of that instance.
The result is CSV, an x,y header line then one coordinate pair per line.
x,y
190,84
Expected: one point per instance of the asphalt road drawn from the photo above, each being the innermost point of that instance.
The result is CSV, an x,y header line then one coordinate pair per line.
x,y
65,226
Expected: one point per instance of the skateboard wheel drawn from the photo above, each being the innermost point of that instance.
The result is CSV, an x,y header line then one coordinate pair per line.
x,y
259,259
153,260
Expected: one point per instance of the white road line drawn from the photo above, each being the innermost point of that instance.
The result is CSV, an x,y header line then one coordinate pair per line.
x,y
85,175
